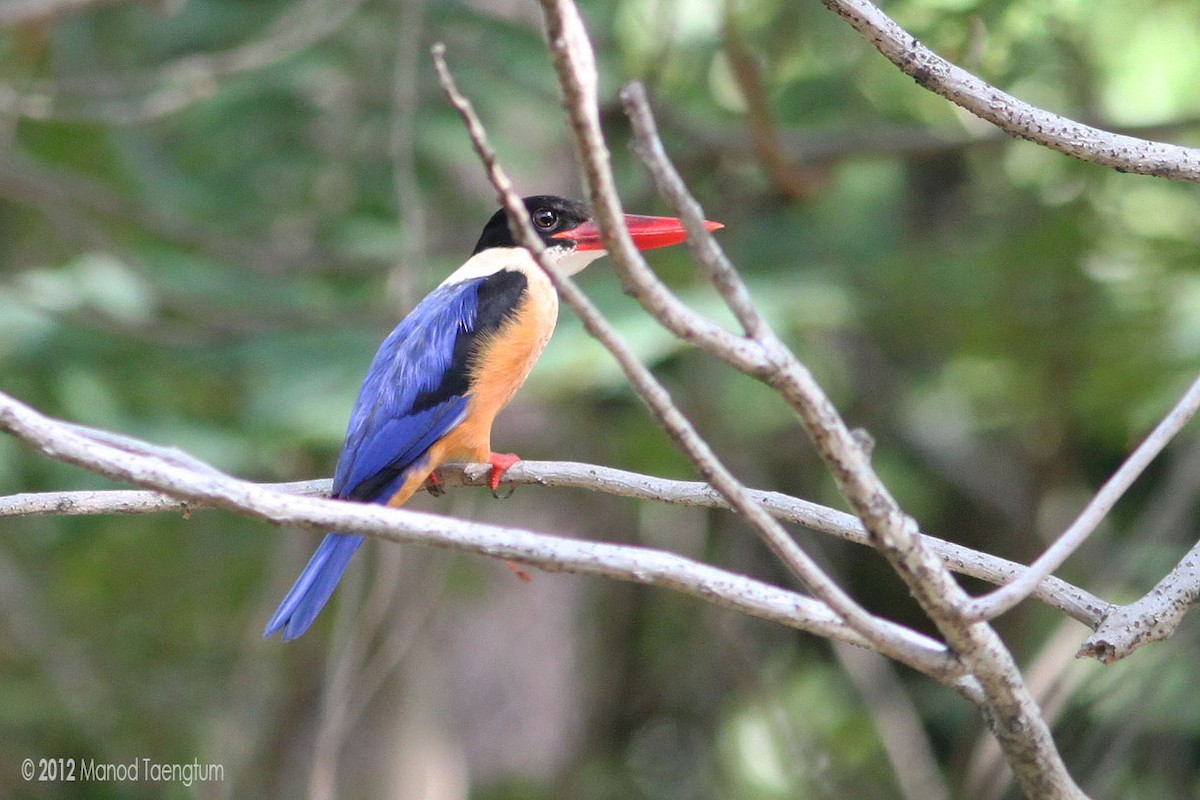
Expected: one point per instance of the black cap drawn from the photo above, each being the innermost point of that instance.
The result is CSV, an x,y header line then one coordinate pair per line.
x,y
548,215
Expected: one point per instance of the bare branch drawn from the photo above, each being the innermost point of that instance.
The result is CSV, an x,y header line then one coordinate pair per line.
x,y
1152,618
550,553
572,57
1007,705
994,604
1029,749
701,242
128,444
652,392
823,146
129,501
1073,601
1015,117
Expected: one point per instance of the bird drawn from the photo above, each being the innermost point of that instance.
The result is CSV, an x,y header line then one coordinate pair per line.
x,y
437,382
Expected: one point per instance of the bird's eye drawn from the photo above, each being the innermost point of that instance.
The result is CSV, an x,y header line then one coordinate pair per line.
x,y
545,218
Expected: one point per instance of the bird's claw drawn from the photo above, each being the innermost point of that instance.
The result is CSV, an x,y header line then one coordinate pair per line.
x,y
434,484
501,462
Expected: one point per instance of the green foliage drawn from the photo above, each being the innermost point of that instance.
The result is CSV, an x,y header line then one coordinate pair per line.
x,y
1005,322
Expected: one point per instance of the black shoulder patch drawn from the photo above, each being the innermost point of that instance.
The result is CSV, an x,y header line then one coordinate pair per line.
x,y
498,297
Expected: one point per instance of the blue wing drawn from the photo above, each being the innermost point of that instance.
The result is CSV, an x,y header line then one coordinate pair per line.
x,y
413,395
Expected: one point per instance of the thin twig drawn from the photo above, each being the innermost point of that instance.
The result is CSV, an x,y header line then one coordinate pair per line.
x,y
572,54
1001,600
701,243
655,396
1006,704
1156,615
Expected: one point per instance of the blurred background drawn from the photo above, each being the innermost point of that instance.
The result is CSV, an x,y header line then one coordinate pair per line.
x,y
211,212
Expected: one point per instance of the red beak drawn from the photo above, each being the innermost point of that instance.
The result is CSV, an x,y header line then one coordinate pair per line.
x,y
647,232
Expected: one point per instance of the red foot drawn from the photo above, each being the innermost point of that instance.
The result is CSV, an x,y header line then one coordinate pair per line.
x,y
501,462
434,484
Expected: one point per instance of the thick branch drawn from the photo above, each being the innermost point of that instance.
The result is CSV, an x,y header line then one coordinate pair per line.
x,y
1008,707
552,553
1072,600
1013,116
817,147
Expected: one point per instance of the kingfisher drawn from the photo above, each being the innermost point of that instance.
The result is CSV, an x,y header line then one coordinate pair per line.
x,y
440,378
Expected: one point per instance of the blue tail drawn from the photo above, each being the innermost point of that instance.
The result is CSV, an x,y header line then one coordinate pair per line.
x,y
314,586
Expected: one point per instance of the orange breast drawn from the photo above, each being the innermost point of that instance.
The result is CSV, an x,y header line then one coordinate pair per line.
x,y
500,365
